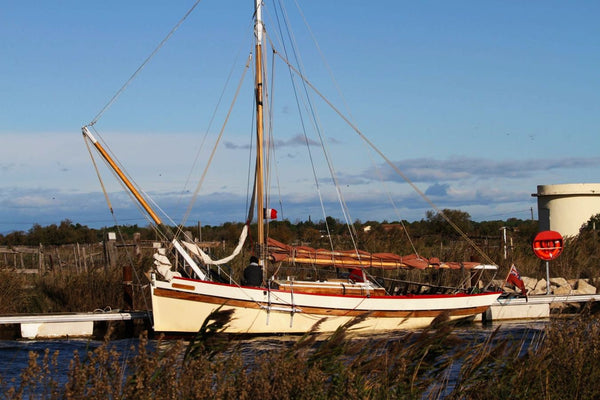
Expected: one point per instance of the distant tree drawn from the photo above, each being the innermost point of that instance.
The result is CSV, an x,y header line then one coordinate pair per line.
x,y
37,234
15,238
332,224
489,228
438,224
310,235
526,229
592,224
282,231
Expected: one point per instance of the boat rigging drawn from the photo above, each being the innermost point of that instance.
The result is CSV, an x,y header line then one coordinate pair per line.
x,y
183,297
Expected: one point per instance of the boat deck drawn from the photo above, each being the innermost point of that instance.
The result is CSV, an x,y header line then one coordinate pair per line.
x,y
332,286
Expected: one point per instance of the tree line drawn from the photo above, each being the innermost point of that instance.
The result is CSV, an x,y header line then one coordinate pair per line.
x,y
432,226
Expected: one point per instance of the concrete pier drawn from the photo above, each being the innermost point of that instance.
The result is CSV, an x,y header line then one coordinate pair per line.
x,y
71,324
534,307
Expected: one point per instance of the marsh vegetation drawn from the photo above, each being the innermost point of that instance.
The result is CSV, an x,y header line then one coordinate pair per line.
x,y
560,361
72,271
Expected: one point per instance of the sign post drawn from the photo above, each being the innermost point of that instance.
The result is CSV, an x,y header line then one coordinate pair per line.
x,y
547,245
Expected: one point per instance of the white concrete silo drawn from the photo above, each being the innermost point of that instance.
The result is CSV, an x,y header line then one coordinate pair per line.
x,y
564,208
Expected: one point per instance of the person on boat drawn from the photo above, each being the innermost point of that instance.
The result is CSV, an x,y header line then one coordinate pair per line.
x,y
253,274
356,275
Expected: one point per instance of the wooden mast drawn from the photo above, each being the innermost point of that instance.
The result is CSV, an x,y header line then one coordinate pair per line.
x,y
258,88
121,175
142,201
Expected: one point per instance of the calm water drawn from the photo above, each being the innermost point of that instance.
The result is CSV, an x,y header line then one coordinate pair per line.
x,y
14,355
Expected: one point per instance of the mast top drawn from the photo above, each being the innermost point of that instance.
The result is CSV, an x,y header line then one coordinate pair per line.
x,y
258,22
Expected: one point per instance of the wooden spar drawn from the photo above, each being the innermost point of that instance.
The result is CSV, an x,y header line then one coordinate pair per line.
x,y
258,82
124,179
140,199
341,263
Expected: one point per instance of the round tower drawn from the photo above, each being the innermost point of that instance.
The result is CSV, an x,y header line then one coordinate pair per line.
x,y
565,208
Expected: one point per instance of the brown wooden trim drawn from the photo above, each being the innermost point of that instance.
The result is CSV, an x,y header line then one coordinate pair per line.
x,y
342,290
184,287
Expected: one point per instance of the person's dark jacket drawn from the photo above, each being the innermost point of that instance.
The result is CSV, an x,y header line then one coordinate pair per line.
x,y
253,275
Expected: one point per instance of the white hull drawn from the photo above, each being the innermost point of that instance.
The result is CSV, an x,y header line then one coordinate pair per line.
x,y
182,305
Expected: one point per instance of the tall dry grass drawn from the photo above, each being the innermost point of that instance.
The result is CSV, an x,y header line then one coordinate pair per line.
x,y
69,291
562,362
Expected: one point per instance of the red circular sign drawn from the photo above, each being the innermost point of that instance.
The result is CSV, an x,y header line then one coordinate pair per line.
x,y
547,245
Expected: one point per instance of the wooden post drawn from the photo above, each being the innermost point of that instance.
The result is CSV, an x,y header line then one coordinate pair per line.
x,y
128,273
105,252
128,286
110,250
82,253
137,252
41,259
92,258
79,263
75,260
58,259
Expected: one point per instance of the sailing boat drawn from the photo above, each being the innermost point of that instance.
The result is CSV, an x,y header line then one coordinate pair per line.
x,y
186,291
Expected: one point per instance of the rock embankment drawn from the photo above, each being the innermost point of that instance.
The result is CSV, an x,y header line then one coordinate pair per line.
x,y
558,286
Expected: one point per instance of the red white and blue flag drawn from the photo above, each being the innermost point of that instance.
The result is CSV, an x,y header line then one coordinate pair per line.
x,y
515,278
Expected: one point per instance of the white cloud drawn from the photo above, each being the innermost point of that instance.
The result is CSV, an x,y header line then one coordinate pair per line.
x,y
30,201
463,168
56,180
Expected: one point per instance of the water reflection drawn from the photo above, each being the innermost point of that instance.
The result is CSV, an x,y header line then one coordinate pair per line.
x,y
14,354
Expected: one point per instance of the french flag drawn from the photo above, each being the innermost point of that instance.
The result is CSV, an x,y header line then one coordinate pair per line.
x,y
270,213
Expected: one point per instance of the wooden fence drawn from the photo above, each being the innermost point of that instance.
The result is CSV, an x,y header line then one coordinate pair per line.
x,y
78,257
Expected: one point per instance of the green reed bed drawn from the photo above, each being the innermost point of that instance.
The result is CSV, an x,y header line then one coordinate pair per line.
x,y
562,362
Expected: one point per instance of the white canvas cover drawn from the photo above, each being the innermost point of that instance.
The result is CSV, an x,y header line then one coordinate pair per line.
x,y
197,251
163,265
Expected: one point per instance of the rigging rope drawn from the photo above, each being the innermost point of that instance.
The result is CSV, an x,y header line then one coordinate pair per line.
x,y
317,126
86,140
306,140
271,129
87,144
212,119
389,195
219,137
145,195
388,161
340,93
146,61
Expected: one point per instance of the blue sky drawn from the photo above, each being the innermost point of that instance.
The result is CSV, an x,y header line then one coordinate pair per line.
x,y
477,102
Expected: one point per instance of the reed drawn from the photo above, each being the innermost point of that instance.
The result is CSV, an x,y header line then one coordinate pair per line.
x,y
561,362
11,292
69,291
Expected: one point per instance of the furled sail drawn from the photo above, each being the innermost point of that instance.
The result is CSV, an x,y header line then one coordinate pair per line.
x,y
163,265
356,258
197,251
